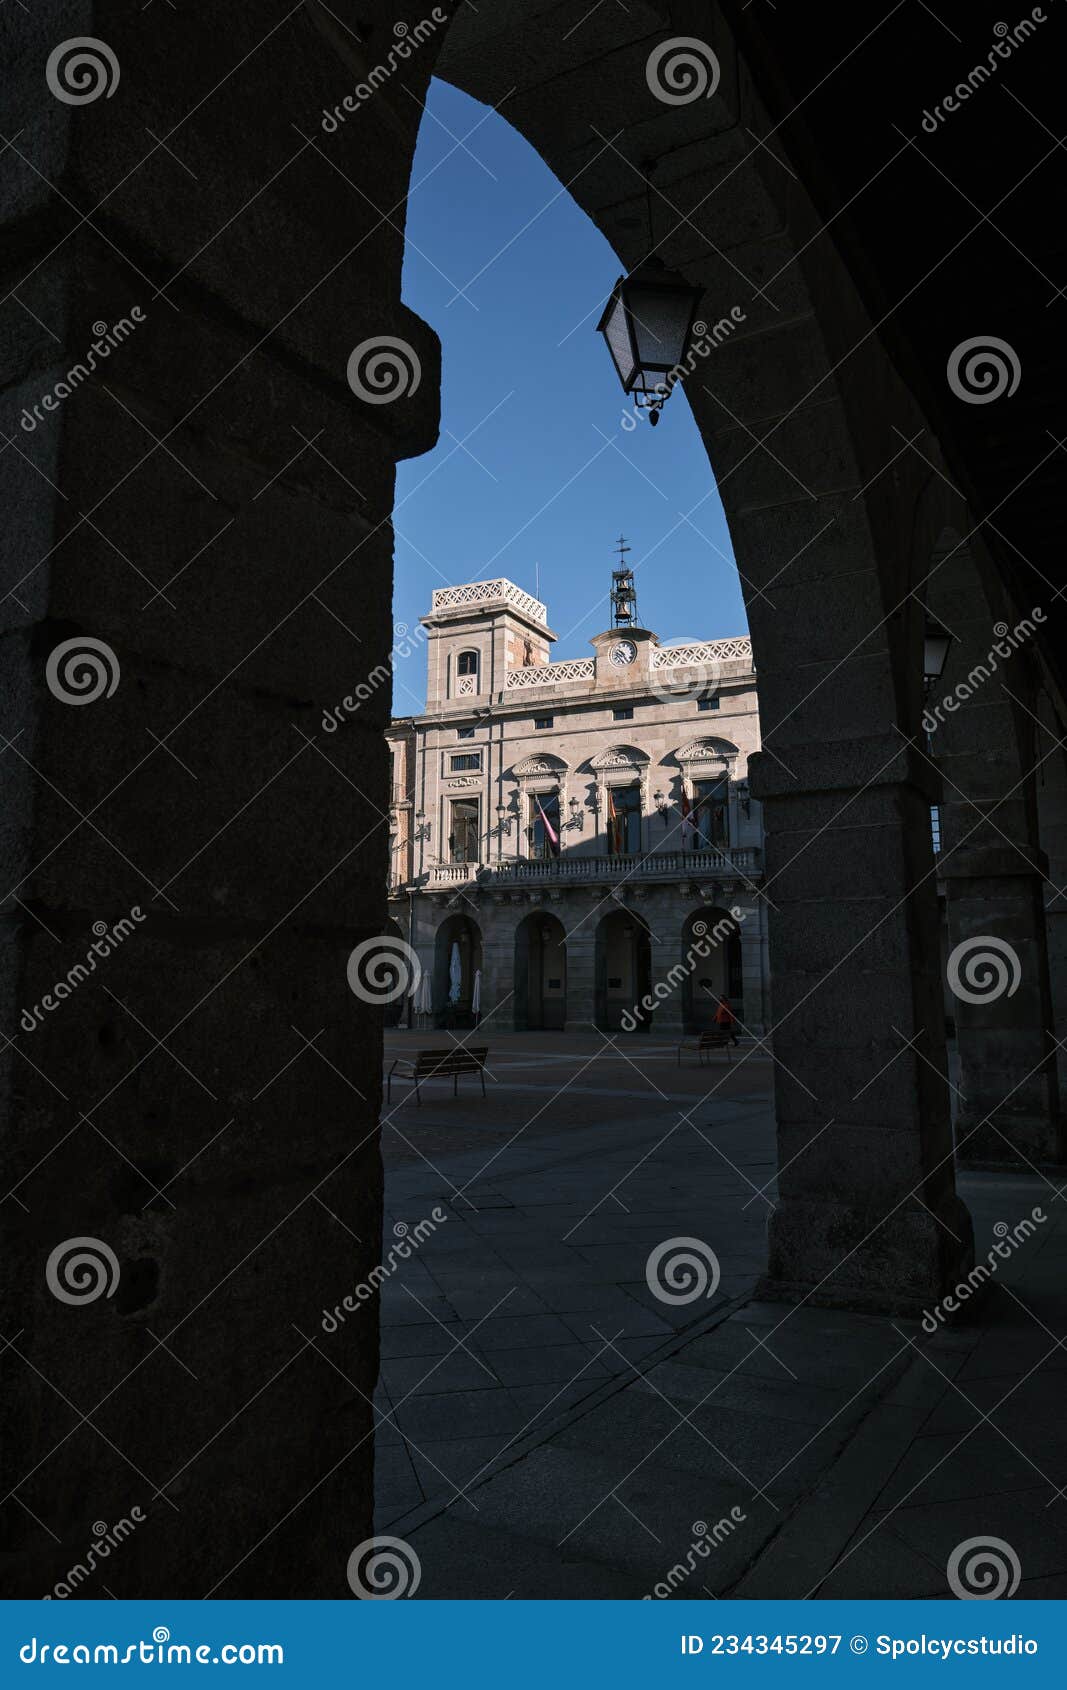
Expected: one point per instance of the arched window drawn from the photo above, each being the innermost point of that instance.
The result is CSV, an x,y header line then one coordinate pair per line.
x,y
467,663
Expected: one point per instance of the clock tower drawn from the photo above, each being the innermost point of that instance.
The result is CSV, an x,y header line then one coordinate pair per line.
x,y
624,657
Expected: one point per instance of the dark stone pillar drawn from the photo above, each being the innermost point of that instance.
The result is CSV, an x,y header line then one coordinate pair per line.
x,y
867,1215
998,976
984,736
1052,823
210,503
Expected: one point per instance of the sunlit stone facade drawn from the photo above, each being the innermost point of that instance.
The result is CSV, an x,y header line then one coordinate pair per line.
x,y
580,833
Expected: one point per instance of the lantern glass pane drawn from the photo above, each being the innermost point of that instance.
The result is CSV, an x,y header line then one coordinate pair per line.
x,y
661,317
935,652
617,334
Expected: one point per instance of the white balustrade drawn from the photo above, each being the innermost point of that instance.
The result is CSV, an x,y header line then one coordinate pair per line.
x,y
552,674
709,652
485,592
656,865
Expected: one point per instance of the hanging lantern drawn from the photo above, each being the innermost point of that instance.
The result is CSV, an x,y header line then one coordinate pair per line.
x,y
648,327
936,641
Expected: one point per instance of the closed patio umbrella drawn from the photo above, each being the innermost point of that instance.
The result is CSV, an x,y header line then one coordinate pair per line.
x,y
476,995
455,974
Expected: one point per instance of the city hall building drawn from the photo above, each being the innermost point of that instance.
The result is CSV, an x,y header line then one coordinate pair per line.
x,y
573,843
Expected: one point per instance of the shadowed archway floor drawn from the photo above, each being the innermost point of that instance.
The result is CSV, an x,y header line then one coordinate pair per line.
x,y
549,1427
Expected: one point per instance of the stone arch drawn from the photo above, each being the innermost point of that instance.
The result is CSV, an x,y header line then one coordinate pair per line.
x,y
540,973
804,417
799,455
458,939
707,976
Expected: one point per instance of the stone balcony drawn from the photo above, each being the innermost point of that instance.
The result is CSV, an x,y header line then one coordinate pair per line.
x,y
742,863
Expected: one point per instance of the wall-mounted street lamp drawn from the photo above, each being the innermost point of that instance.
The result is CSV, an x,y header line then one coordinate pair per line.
x,y
648,327
577,815
744,797
663,806
936,641
505,819
422,827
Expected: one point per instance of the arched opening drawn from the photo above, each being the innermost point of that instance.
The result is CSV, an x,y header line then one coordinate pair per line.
x,y
711,956
258,886
623,965
457,970
800,464
783,501
465,680
540,974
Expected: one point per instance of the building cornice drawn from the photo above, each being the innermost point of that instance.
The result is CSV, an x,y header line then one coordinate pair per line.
x,y
497,707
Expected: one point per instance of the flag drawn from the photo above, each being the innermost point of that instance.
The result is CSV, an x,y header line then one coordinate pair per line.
x,y
550,833
687,824
614,826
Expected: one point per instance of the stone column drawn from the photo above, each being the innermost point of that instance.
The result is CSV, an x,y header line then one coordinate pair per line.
x,y
753,961
498,920
994,872
1051,778
189,857
1008,1110
867,1214
662,911
580,927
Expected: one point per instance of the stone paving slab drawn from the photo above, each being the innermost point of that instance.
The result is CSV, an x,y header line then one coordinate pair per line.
x,y
1023,1519
464,1561
942,1476
540,1266
871,1464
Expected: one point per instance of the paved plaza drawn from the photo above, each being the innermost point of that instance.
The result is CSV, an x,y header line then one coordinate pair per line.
x,y
549,1426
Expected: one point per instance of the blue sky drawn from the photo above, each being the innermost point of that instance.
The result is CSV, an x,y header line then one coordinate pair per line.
x,y
513,277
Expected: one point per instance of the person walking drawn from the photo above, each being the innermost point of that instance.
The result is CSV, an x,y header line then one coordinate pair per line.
x,y
726,1020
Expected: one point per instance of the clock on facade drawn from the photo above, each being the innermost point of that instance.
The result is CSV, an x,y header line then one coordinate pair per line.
x,y
623,652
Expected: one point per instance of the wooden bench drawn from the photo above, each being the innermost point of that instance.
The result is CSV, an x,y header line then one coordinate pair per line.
x,y
705,1042
450,1062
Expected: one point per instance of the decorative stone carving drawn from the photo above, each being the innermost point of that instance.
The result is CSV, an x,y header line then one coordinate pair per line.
x,y
707,751
542,764
620,757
